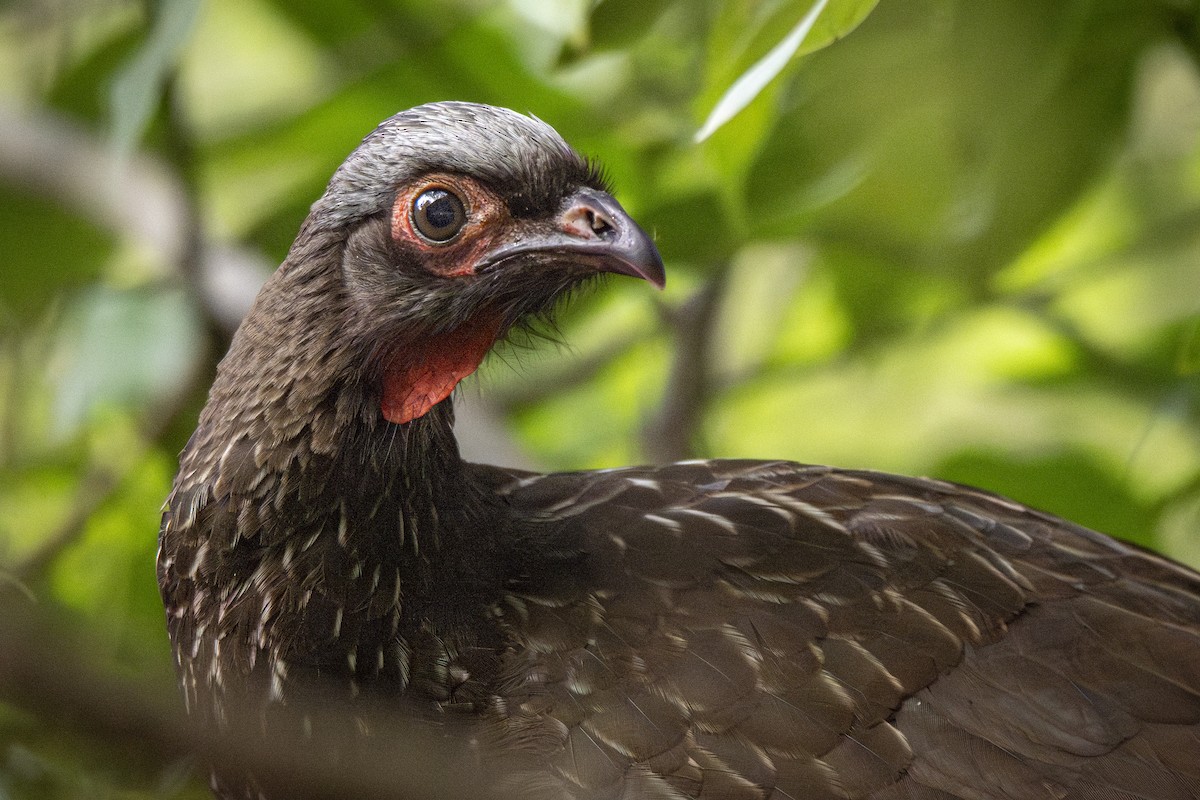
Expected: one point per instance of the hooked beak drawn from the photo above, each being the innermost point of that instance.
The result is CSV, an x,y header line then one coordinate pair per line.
x,y
592,230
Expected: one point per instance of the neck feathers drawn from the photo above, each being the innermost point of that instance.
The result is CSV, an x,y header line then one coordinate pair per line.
x,y
293,443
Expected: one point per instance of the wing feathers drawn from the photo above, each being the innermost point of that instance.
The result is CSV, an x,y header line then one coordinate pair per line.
x,y
758,631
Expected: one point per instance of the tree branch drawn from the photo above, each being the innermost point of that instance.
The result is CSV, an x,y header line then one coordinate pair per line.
x,y
670,434
402,759
141,200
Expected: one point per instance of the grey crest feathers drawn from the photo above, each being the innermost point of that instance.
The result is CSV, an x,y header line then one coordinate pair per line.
x,y
495,145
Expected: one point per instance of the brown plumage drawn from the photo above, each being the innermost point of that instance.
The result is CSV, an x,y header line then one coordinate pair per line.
x,y
723,630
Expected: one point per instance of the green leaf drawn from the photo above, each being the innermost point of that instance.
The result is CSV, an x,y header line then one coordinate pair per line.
x,y
46,252
1188,361
327,21
120,348
674,226
950,147
751,82
1073,484
822,24
107,575
83,88
138,85
618,23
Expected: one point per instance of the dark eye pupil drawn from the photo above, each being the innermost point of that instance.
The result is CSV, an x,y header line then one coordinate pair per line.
x,y
438,214
441,212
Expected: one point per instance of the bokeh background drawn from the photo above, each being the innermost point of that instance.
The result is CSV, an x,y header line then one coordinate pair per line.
x,y
958,239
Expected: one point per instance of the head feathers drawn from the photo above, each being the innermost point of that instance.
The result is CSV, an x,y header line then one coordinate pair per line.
x,y
520,157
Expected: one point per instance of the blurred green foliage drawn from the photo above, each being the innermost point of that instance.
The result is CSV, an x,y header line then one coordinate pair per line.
x,y
963,239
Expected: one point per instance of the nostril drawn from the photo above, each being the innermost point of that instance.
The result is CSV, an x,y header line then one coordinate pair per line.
x,y
598,223
586,223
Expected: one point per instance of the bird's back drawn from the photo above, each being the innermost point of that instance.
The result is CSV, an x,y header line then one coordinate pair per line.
x,y
770,630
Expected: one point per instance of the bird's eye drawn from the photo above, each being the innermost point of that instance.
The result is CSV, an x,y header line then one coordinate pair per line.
x,y
438,215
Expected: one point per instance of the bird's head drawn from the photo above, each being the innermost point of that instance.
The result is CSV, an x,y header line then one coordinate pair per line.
x,y
455,222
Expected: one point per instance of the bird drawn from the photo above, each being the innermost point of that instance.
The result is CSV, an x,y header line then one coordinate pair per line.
x,y
721,629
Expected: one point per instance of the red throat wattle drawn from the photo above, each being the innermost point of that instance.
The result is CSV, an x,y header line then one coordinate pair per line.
x,y
425,372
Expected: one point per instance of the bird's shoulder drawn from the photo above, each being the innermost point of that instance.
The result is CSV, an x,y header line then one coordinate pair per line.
x,y
838,533
770,629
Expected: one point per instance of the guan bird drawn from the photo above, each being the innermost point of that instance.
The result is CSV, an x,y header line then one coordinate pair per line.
x,y
724,630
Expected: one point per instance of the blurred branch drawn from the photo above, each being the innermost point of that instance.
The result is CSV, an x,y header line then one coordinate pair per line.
x,y
400,759
575,372
483,435
97,485
197,260
1187,28
670,433
138,199
479,418
191,258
